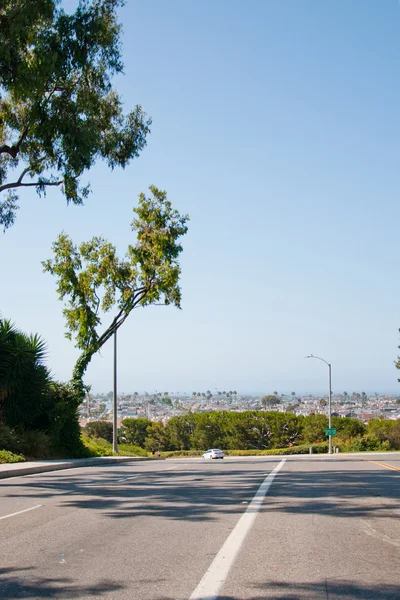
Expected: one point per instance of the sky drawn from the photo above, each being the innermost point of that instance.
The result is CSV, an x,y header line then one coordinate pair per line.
x,y
276,128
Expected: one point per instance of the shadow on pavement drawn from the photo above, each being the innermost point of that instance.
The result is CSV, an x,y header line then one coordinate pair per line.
x,y
199,496
338,590
13,585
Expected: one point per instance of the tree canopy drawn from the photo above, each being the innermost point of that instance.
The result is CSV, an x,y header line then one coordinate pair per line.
x,y
92,279
59,112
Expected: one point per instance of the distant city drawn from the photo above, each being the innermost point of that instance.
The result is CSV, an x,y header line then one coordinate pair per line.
x,y
161,406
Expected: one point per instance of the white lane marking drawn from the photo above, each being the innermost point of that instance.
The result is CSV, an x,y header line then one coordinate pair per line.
x,y
381,536
126,478
170,468
21,511
215,576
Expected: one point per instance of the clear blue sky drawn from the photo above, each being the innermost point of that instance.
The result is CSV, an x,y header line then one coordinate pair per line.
x,y
276,127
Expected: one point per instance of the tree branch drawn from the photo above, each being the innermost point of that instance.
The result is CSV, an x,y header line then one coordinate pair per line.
x,y
17,184
14,149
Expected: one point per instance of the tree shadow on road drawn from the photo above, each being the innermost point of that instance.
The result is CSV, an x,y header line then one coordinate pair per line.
x,y
202,495
322,590
16,583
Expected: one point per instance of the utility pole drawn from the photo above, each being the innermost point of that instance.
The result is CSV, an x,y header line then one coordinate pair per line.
x,y
115,426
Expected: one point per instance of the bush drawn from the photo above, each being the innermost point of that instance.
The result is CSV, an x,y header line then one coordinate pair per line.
x,y
100,429
64,430
182,453
36,444
10,457
366,443
129,450
9,439
302,449
97,447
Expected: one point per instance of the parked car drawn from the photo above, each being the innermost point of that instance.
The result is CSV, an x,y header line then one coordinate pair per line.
x,y
214,453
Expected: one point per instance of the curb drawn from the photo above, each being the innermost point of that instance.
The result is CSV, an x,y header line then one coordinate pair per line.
x,y
18,470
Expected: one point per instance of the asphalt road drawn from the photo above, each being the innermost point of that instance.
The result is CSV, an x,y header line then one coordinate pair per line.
x,y
319,528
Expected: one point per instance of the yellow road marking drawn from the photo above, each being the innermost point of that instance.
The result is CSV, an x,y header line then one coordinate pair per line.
x,y
384,465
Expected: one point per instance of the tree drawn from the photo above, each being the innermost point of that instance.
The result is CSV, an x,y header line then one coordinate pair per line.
x,y
268,401
323,403
135,430
30,400
100,429
293,395
156,438
24,379
59,112
92,278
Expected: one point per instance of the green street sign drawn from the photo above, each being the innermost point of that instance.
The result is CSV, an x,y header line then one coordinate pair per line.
x,y
331,431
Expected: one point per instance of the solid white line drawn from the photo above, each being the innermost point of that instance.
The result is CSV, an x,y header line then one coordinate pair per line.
x,y
21,511
217,573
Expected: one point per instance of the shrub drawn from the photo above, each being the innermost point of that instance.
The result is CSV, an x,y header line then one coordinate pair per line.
x,y
64,429
97,447
36,444
302,449
182,453
9,439
129,450
368,442
100,429
10,457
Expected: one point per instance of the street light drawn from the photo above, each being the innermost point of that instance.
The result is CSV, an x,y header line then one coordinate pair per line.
x,y
115,407
329,398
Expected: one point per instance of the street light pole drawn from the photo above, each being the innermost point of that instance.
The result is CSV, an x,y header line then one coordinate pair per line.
x,y
329,397
115,427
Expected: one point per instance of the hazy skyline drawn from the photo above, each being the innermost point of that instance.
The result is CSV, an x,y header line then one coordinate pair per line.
x,y
275,126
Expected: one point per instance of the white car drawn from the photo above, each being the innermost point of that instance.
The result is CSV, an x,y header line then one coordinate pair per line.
x,y
213,453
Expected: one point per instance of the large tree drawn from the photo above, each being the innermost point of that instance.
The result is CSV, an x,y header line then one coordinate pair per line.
x,y
92,279
58,110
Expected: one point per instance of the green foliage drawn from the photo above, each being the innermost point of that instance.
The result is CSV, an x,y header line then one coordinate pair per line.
x,y
36,444
24,379
131,450
63,427
314,428
9,439
181,453
134,431
156,437
96,447
31,402
92,278
365,443
179,431
9,457
385,431
100,429
58,110
347,428
269,401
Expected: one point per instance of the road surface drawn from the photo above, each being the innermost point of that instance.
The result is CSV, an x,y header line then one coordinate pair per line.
x,y
312,527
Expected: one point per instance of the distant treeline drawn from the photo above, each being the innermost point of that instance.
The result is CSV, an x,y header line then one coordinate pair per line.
x,y
250,430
